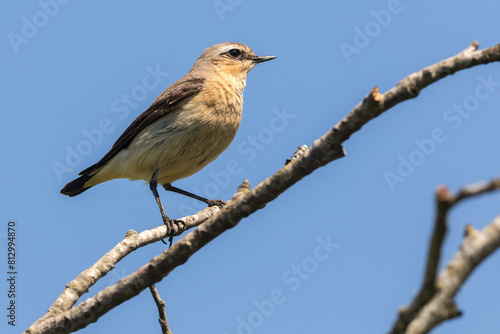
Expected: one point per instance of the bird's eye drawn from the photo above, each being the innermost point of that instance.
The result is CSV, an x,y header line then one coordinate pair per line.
x,y
234,53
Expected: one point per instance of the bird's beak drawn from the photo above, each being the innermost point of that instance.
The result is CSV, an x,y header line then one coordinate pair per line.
x,y
261,59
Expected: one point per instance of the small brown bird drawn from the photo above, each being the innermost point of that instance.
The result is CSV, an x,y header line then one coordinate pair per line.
x,y
188,126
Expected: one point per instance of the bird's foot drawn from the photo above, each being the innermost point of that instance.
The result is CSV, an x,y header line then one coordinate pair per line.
x,y
218,202
172,226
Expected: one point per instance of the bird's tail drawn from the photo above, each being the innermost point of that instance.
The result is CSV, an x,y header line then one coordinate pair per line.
x,y
76,187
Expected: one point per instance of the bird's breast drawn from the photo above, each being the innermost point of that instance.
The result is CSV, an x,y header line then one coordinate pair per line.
x,y
185,140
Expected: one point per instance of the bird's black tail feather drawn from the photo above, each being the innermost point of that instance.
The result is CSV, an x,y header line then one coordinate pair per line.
x,y
76,187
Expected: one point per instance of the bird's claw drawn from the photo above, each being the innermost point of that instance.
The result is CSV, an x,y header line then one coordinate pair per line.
x,y
169,223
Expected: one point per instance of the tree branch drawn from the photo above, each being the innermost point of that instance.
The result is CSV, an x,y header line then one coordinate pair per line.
x,y
444,202
132,241
475,190
324,150
161,310
476,247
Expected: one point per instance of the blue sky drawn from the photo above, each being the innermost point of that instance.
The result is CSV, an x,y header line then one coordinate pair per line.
x,y
69,69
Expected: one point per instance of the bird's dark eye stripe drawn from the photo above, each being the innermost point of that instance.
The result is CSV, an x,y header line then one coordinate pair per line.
x,y
234,53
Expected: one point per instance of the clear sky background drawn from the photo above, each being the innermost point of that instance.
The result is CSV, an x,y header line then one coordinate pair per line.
x,y
65,73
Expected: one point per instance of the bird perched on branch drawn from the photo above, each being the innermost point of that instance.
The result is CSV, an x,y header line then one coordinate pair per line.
x,y
189,125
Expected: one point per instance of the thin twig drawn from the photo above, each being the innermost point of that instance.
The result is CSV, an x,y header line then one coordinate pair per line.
x,y
428,288
476,189
161,310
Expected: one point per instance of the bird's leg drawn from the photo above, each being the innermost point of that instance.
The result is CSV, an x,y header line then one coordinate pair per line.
x,y
209,202
153,184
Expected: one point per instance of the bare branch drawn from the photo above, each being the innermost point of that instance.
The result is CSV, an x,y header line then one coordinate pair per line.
x,y
476,189
159,267
476,247
161,310
132,241
428,288
444,202
324,150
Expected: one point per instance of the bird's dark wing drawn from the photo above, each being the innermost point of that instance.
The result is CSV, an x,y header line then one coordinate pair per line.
x,y
179,91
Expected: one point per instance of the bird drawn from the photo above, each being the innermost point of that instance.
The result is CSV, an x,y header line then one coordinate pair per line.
x,y
185,128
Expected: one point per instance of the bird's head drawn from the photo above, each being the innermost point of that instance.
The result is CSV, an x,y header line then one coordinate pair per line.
x,y
232,61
